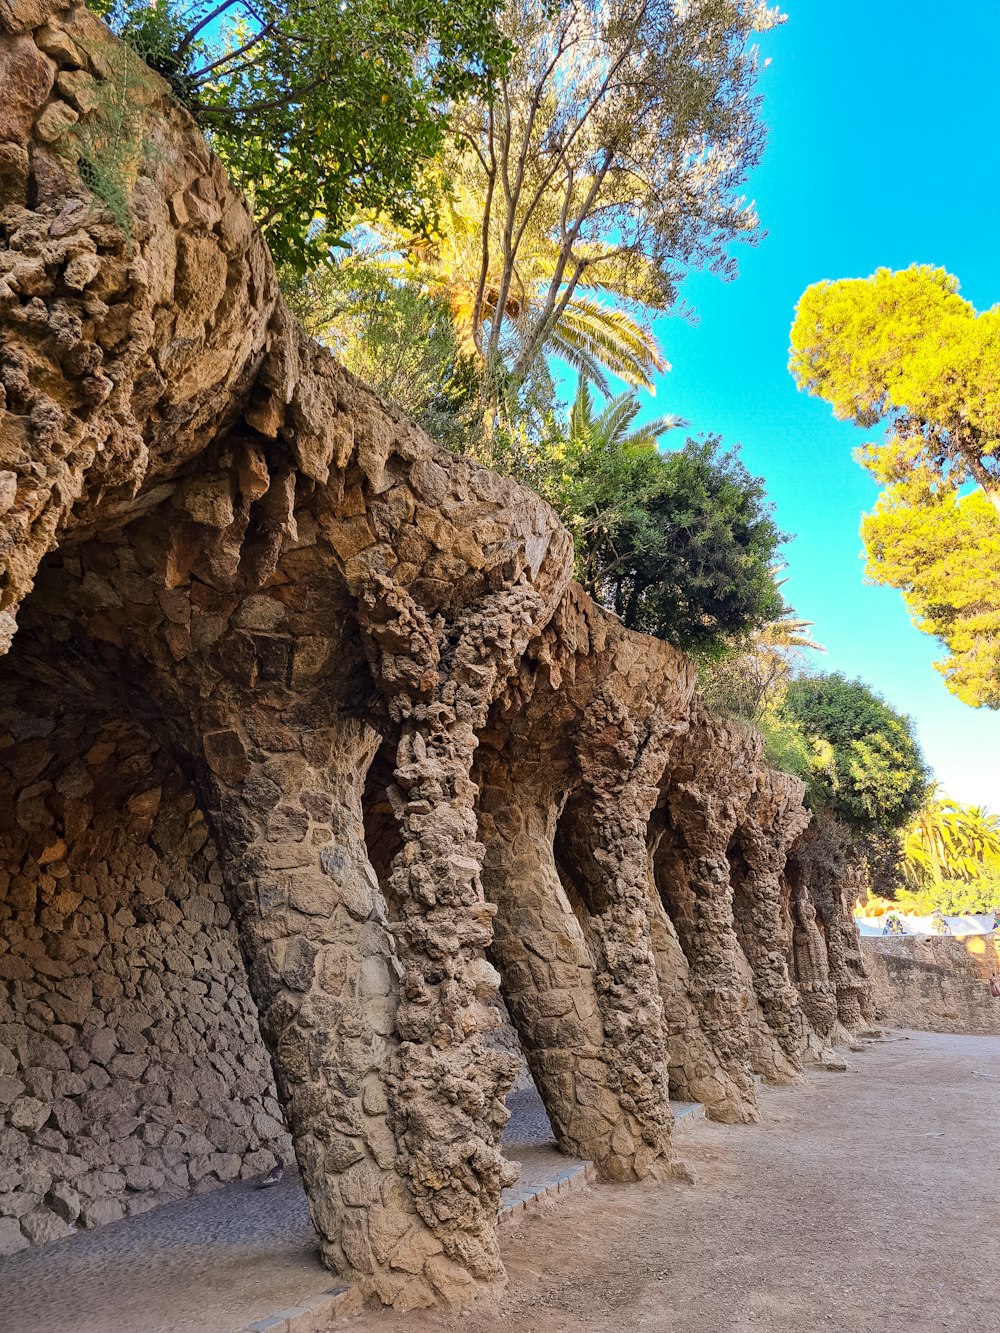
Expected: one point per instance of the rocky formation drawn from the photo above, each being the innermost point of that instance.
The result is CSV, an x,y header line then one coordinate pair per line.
x,y
388,736
131,1071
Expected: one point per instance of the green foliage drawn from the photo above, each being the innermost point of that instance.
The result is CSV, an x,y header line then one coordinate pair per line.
x,y
941,549
947,840
693,565
866,758
605,161
680,545
787,748
320,108
111,143
905,348
954,897
395,337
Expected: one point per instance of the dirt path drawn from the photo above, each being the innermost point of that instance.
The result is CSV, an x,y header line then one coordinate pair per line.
x,y
866,1201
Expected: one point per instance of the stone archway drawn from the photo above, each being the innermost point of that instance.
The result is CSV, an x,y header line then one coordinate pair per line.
x,y
399,719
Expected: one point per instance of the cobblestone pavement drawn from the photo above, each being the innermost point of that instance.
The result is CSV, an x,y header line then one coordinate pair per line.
x,y
207,1264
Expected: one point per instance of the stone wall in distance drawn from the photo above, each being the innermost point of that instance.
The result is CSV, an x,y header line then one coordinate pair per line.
x,y
936,983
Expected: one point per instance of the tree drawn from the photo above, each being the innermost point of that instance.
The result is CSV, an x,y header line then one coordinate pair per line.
x,y
866,758
679,545
941,549
748,679
905,348
320,108
603,473
592,336
395,337
621,133
947,840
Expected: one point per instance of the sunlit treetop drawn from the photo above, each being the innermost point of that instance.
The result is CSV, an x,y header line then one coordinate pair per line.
x,y
319,108
906,349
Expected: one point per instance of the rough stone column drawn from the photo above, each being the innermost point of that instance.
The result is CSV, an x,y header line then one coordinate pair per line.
x,y
829,869
696,1074
810,961
691,873
601,848
547,972
448,1109
763,929
324,974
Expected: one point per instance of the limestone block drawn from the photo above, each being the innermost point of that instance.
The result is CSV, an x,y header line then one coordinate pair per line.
x,y
64,1201
99,1212
12,1238
41,1225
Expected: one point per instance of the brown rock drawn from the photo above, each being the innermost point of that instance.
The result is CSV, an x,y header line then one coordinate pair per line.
x,y
55,120
26,78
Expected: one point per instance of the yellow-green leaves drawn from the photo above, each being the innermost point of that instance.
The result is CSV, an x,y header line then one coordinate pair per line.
x,y
907,350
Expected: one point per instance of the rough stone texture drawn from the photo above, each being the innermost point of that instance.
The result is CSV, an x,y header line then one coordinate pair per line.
x,y
825,874
388,736
935,983
132,1070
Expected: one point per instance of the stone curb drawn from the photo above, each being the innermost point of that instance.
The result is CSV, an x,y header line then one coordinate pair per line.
x,y
313,1315
685,1118
573,1177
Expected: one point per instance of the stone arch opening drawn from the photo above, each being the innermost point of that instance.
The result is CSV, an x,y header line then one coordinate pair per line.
x,y
740,879
581,877
131,1069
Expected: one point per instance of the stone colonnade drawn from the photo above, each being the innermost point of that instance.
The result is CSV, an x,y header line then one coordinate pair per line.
x,y
335,632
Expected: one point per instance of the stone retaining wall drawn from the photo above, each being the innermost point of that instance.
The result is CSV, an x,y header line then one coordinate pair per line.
x,y
936,983
131,1068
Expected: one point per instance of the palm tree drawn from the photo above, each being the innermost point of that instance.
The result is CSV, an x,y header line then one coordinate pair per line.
x,y
593,334
948,840
610,466
786,634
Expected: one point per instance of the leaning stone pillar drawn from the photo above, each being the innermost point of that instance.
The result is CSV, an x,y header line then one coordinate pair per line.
x,y
696,1073
810,961
448,1106
763,928
691,874
831,871
547,972
324,973
601,847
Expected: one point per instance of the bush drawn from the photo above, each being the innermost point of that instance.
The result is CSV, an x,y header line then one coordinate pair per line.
x,y
953,897
866,758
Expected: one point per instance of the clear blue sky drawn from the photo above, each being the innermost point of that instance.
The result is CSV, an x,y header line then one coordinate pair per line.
x,y
884,151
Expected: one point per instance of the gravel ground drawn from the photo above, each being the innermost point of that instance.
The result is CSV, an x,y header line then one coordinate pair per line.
x,y
866,1202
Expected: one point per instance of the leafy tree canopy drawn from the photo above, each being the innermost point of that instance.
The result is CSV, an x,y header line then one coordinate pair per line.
x,y
609,154
680,545
947,841
907,349
866,758
941,549
320,108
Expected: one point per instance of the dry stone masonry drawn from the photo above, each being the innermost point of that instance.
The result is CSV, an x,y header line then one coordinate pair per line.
x,y
308,743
